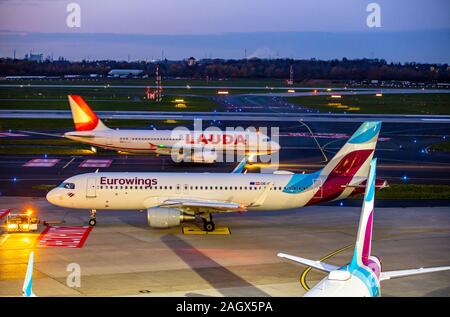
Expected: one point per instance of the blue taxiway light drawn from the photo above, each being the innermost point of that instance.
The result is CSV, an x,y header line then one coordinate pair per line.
x,y
14,179
405,178
341,204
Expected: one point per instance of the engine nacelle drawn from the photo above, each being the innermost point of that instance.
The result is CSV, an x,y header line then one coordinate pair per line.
x,y
205,156
166,217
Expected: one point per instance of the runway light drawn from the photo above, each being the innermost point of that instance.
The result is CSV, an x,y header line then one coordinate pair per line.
x,y
222,92
291,90
336,96
179,100
379,95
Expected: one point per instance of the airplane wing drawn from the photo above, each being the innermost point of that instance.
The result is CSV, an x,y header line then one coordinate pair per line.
x,y
218,206
41,133
314,264
401,273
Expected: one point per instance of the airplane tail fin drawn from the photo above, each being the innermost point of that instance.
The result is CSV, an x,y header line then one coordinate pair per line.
x,y
83,116
27,290
361,253
354,158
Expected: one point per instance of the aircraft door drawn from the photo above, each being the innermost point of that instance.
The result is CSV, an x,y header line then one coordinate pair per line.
x,y
91,187
109,139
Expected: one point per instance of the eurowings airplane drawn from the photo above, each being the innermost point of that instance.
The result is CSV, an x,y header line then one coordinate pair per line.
x,y
201,146
171,198
362,276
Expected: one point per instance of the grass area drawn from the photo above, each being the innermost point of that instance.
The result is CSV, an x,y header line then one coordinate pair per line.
x,y
442,147
151,81
112,102
67,124
414,191
80,150
370,104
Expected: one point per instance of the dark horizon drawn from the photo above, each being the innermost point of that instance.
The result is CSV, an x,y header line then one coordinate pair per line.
x,y
421,46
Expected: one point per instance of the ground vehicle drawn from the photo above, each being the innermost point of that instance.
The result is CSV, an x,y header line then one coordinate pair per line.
x,y
21,222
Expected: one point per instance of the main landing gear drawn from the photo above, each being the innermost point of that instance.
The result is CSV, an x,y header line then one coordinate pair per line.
x,y
92,218
208,224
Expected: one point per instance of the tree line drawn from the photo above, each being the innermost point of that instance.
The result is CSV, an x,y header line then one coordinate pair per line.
x,y
342,69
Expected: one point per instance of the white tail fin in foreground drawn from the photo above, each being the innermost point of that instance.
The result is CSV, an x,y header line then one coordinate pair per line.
x,y
27,290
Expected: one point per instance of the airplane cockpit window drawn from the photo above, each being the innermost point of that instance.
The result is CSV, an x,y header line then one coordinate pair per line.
x,y
266,139
67,185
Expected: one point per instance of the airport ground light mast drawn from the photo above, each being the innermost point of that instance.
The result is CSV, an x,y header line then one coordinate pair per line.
x,y
156,94
290,81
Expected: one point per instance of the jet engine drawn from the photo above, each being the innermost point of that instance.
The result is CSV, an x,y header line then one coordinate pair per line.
x,y
204,156
166,217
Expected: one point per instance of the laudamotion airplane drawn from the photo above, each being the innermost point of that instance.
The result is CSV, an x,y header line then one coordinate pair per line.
x,y
362,276
200,147
171,198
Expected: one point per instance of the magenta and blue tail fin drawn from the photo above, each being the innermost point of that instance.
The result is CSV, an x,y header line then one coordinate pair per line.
x,y
364,237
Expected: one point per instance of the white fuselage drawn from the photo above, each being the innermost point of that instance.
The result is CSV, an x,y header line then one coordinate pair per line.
x,y
350,287
138,191
161,141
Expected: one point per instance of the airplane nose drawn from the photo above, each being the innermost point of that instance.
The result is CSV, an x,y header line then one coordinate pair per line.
x,y
52,196
275,147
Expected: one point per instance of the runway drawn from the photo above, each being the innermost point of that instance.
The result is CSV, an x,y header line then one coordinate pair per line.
x,y
401,152
122,256
229,116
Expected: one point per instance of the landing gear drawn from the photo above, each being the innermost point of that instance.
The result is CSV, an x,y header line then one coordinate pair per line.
x,y
92,218
208,224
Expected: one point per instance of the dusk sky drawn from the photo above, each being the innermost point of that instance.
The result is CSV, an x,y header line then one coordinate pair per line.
x,y
206,28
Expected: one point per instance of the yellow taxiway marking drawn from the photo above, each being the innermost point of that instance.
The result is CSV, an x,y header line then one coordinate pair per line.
x,y
306,271
196,230
4,239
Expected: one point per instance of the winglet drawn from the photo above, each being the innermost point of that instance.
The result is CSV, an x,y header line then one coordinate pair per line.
x,y
240,168
28,282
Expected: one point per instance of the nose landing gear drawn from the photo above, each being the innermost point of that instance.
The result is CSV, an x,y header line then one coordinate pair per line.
x,y
92,218
208,224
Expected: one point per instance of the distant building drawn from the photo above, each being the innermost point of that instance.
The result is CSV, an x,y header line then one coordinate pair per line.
x,y
191,61
35,57
125,72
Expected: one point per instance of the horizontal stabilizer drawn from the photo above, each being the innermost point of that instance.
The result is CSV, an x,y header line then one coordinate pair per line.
x,y
42,133
314,264
402,273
